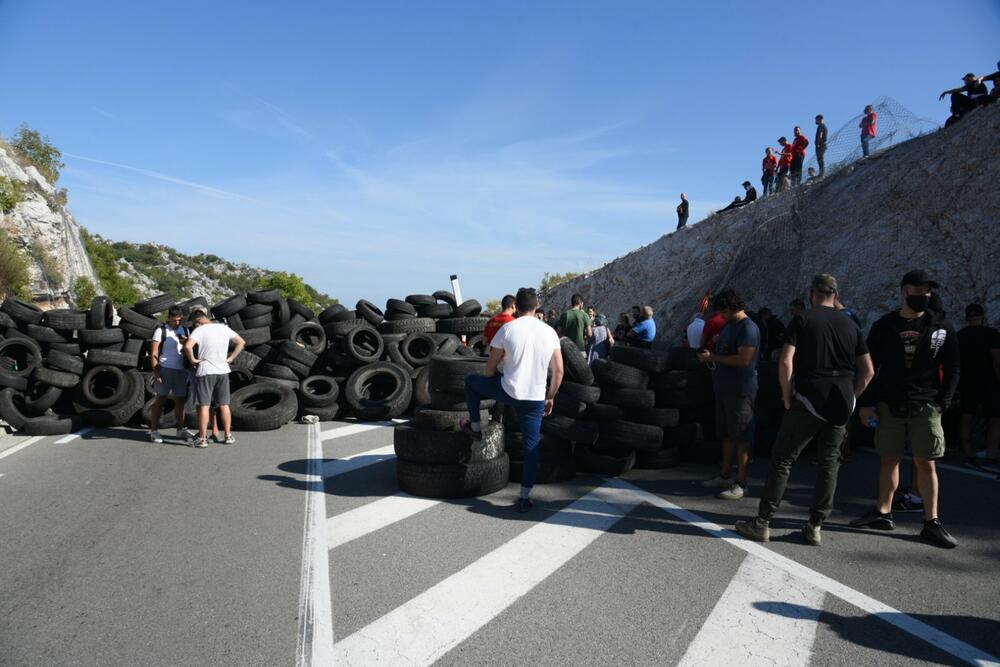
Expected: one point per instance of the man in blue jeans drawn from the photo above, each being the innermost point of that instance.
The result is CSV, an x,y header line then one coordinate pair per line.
x,y
528,348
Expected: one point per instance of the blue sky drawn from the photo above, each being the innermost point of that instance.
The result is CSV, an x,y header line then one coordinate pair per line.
x,y
376,147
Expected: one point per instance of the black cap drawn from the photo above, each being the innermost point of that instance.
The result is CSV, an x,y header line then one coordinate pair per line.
x,y
974,310
919,278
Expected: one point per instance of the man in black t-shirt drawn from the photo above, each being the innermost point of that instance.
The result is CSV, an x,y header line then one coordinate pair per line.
x,y
968,96
979,384
832,369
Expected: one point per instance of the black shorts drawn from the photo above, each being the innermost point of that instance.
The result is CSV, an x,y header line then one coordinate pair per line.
x,y
980,400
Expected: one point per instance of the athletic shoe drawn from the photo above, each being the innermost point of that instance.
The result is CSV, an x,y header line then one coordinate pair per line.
x,y
754,529
811,534
199,443
874,519
734,492
904,502
719,482
935,533
230,440
154,436
184,433
523,505
466,426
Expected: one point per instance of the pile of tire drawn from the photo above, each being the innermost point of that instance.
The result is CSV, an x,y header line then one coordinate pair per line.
x,y
434,458
61,368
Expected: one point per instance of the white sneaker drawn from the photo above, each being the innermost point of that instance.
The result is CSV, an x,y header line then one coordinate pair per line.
x,y
200,443
184,433
155,436
734,492
718,482
229,440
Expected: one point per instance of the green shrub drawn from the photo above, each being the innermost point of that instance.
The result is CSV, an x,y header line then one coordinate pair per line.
x,y
38,151
293,287
105,261
83,288
11,194
553,279
14,275
51,271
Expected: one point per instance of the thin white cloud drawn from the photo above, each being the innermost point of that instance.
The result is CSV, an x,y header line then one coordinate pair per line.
x,y
107,114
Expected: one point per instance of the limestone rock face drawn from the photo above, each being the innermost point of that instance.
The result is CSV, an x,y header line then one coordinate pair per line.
x,y
929,203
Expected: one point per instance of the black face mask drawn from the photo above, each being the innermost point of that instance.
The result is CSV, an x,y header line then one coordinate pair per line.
x,y
918,302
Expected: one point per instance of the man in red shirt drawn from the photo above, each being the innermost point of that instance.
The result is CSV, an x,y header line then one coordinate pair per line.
x,y
710,334
869,129
768,168
784,164
798,155
505,315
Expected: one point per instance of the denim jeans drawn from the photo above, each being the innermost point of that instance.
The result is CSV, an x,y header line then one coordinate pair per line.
x,y
529,418
767,181
865,140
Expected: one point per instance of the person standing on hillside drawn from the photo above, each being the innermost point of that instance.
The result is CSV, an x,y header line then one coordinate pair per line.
x,y
734,376
768,168
833,370
575,324
916,360
784,163
869,129
644,332
682,211
529,349
979,386
799,146
819,142
170,375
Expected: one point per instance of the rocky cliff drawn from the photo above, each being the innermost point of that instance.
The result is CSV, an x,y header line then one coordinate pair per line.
x,y
931,203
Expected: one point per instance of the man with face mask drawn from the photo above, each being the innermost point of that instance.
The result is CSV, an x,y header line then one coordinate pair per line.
x,y
916,358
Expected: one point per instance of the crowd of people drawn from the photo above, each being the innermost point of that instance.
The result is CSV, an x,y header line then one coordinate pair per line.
x,y
781,167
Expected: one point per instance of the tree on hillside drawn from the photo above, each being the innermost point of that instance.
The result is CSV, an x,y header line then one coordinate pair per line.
x,y
38,151
553,279
83,288
293,287
14,274
11,194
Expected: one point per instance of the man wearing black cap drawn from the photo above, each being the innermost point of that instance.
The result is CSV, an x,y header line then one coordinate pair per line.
x,y
750,196
832,369
916,360
979,388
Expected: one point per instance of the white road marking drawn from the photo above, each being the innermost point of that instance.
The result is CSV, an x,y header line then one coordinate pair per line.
x,y
21,445
73,436
315,639
354,429
357,461
765,616
431,624
348,526
918,629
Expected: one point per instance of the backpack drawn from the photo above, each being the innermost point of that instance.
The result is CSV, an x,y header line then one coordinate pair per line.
x,y
163,338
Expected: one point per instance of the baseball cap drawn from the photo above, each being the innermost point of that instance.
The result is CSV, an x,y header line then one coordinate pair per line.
x,y
918,277
824,282
974,310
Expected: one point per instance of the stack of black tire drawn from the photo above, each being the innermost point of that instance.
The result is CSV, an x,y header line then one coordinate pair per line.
x,y
434,458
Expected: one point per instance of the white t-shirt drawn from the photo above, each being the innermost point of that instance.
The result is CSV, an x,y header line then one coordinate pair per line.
x,y
528,344
171,354
213,348
694,332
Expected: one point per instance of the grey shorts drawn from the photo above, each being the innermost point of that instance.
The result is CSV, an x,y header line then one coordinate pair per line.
x,y
734,417
209,389
175,382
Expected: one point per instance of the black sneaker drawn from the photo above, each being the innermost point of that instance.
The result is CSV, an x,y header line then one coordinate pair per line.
x,y
906,503
874,519
466,426
523,505
935,533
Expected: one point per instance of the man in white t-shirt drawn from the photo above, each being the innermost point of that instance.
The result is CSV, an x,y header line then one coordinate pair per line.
x,y
211,381
528,348
170,377
694,330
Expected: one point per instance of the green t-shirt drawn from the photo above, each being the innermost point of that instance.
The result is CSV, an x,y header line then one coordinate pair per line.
x,y
573,324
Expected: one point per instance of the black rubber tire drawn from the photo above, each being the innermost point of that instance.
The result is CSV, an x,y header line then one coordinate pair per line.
x,y
326,413
246,360
24,351
364,344
269,296
295,352
478,345
101,314
291,384
462,325
284,331
683,435
309,335
408,325
108,336
549,472
435,310
199,302
369,312
613,374
379,391
138,319
255,310
551,448
565,405
154,305
660,460
463,480
628,398
50,425
65,319
447,343
447,374
684,359
393,354
339,328
168,418
662,417
258,321
17,382
441,400
282,314
278,371
423,446
421,387
591,461
652,362
101,386
429,419
55,378
12,408
44,334
420,300
577,430
675,398
400,306
345,315
641,437
707,452
417,349
22,311
41,397
396,316
64,362
446,296
318,391
602,412
230,306
263,406
585,393
255,337
239,378
6,322
301,309
328,314
302,371
137,331
116,414
574,363
99,357
468,308
72,349
682,380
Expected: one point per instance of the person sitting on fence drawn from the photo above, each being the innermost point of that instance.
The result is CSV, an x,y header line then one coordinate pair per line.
x,y
971,94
